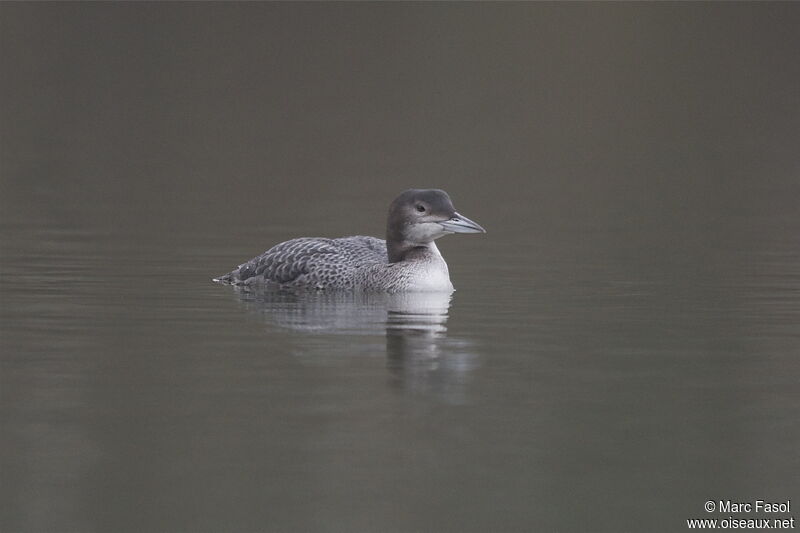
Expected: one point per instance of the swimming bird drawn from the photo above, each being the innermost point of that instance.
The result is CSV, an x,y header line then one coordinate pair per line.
x,y
408,260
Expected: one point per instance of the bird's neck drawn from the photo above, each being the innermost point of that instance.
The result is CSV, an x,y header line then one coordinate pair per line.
x,y
400,250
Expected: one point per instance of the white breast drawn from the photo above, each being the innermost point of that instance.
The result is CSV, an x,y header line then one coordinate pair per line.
x,y
431,275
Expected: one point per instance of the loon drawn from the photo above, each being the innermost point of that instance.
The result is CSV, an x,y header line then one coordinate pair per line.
x,y
408,260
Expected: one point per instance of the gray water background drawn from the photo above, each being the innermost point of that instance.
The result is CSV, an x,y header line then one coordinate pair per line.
x,y
623,343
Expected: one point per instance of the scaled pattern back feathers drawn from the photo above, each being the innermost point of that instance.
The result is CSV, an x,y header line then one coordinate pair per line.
x,y
312,262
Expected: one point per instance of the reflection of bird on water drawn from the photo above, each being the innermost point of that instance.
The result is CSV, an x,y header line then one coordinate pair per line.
x,y
408,260
420,356
348,312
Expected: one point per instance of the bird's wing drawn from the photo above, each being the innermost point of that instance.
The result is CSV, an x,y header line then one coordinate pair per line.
x,y
285,262
309,258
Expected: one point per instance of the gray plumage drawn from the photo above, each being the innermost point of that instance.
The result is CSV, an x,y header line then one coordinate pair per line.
x,y
408,261
313,262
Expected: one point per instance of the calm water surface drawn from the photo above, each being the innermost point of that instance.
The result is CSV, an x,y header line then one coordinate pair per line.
x,y
623,343
134,387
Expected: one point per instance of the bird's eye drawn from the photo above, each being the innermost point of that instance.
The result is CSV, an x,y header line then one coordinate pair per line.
x,y
420,208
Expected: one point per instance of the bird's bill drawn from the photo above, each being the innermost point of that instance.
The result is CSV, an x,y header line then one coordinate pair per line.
x,y
461,224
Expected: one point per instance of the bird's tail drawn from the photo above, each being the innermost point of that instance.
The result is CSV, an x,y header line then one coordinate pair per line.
x,y
227,279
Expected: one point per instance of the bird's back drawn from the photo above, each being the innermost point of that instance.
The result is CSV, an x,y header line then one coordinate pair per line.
x,y
311,262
